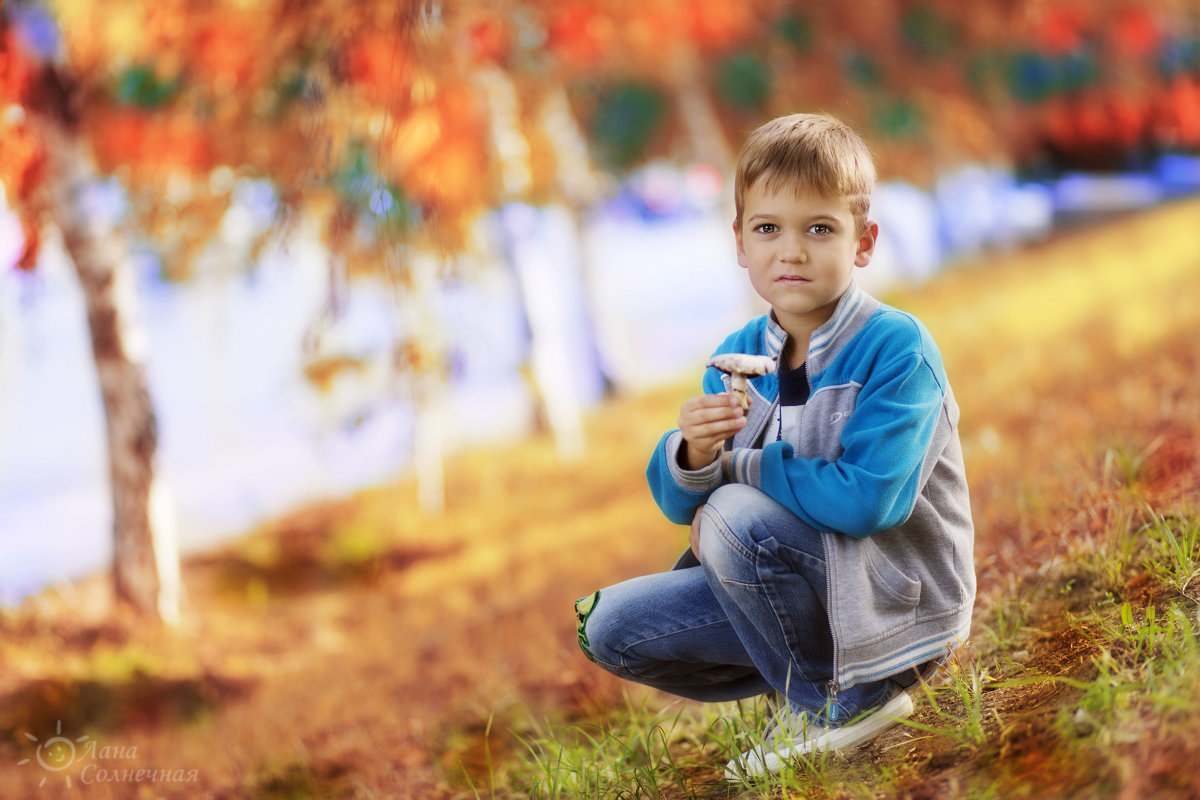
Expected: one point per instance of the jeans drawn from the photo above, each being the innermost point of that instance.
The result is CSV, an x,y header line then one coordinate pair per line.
x,y
750,619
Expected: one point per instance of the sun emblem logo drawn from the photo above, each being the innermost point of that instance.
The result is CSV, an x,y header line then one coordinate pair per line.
x,y
55,754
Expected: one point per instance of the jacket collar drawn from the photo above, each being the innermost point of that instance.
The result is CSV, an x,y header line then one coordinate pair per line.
x,y
823,344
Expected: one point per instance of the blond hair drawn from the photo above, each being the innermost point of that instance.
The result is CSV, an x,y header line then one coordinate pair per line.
x,y
813,151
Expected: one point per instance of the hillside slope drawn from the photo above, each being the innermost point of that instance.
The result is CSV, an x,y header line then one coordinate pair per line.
x,y
361,649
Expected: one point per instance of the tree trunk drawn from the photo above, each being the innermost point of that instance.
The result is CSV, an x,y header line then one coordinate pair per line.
x,y
420,307
543,282
145,564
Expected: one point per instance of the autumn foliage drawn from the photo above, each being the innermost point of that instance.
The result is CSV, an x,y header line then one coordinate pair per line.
x,y
315,96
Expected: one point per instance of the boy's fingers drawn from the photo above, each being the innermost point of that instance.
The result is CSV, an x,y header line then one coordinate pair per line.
x,y
717,431
704,415
710,411
722,400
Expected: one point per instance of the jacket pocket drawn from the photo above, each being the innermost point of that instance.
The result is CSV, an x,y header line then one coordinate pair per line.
x,y
904,592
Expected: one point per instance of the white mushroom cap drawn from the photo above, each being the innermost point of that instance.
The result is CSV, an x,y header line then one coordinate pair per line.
x,y
743,364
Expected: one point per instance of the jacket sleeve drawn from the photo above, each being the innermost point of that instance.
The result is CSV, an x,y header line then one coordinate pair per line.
x,y
678,491
874,484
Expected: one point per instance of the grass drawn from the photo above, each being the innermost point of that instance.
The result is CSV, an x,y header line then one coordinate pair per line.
x,y
1127,670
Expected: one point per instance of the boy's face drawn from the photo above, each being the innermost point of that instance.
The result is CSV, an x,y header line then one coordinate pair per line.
x,y
800,249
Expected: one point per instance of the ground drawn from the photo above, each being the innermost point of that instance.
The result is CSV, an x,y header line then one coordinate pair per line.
x,y
359,648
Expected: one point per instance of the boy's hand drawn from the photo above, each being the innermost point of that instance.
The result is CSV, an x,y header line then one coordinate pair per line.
x,y
706,422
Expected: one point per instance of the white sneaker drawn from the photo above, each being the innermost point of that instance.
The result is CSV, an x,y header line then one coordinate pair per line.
x,y
793,735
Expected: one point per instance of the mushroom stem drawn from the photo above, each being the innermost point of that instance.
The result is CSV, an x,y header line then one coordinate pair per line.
x,y
737,385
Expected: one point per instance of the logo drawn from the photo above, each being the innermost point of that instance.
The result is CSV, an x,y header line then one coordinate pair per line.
x,y
96,764
56,754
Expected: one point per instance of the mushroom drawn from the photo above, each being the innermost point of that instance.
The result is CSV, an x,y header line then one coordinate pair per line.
x,y
739,367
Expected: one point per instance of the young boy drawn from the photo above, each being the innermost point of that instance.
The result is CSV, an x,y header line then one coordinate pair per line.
x,y
831,554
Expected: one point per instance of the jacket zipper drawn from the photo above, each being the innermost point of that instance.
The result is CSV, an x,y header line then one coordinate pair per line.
x,y
779,366
757,439
833,681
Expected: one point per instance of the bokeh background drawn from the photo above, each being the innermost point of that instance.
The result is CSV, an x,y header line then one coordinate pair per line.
x,y
561,172
354,241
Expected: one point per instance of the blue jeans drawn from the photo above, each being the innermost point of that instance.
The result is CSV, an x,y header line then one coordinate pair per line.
x,y
750,619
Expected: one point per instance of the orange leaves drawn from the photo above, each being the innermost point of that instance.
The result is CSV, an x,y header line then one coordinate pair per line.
x,y
151,144
583,34
488,40
440,150
719,24
1061,29
23,161
382,64
22,165
580,34
452,177
225,50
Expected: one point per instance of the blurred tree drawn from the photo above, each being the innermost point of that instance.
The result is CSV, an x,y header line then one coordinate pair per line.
x,y
394,125
47,173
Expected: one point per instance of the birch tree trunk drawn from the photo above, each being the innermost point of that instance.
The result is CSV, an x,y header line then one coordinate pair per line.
x,y
420,308
543,282
145,565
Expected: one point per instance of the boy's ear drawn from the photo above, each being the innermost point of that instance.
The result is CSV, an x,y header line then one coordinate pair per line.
x,y
866,244
741,251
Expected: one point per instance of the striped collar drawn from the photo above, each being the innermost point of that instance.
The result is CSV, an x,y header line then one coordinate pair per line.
x,y
823,337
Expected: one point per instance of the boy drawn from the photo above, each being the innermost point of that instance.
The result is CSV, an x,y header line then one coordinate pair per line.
x,y
831,554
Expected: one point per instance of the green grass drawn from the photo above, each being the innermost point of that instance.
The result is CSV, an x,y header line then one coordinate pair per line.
x,y
1129,679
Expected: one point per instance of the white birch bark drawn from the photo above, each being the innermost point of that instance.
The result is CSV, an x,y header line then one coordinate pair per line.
x,y
550,361
419,308
145,565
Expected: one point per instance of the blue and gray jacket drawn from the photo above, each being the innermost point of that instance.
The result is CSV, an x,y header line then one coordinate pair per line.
x,y
878,469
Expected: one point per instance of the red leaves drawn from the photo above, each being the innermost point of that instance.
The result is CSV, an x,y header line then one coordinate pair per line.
x,y
22,154
16,70
1179,122
1135,34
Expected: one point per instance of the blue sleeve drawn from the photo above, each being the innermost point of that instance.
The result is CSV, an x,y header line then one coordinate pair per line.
x,y
874,484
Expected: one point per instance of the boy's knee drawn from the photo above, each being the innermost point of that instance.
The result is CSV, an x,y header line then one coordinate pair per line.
x,y
727,526
593,631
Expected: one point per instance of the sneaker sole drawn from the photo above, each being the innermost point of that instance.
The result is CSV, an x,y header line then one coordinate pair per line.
x,y
753,765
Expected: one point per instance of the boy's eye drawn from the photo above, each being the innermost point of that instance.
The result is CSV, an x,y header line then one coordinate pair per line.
x,y
767,227
821,229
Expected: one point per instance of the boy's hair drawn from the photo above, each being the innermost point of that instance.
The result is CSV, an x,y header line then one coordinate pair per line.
x,y
807,150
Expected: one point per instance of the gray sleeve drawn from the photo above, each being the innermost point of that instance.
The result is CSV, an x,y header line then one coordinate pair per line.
x,y
698,481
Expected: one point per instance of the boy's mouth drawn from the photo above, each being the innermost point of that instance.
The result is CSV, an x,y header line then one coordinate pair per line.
x,y
791,279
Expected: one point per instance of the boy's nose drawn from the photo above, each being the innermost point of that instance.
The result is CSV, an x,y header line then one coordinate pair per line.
x,y
793,251
793,255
